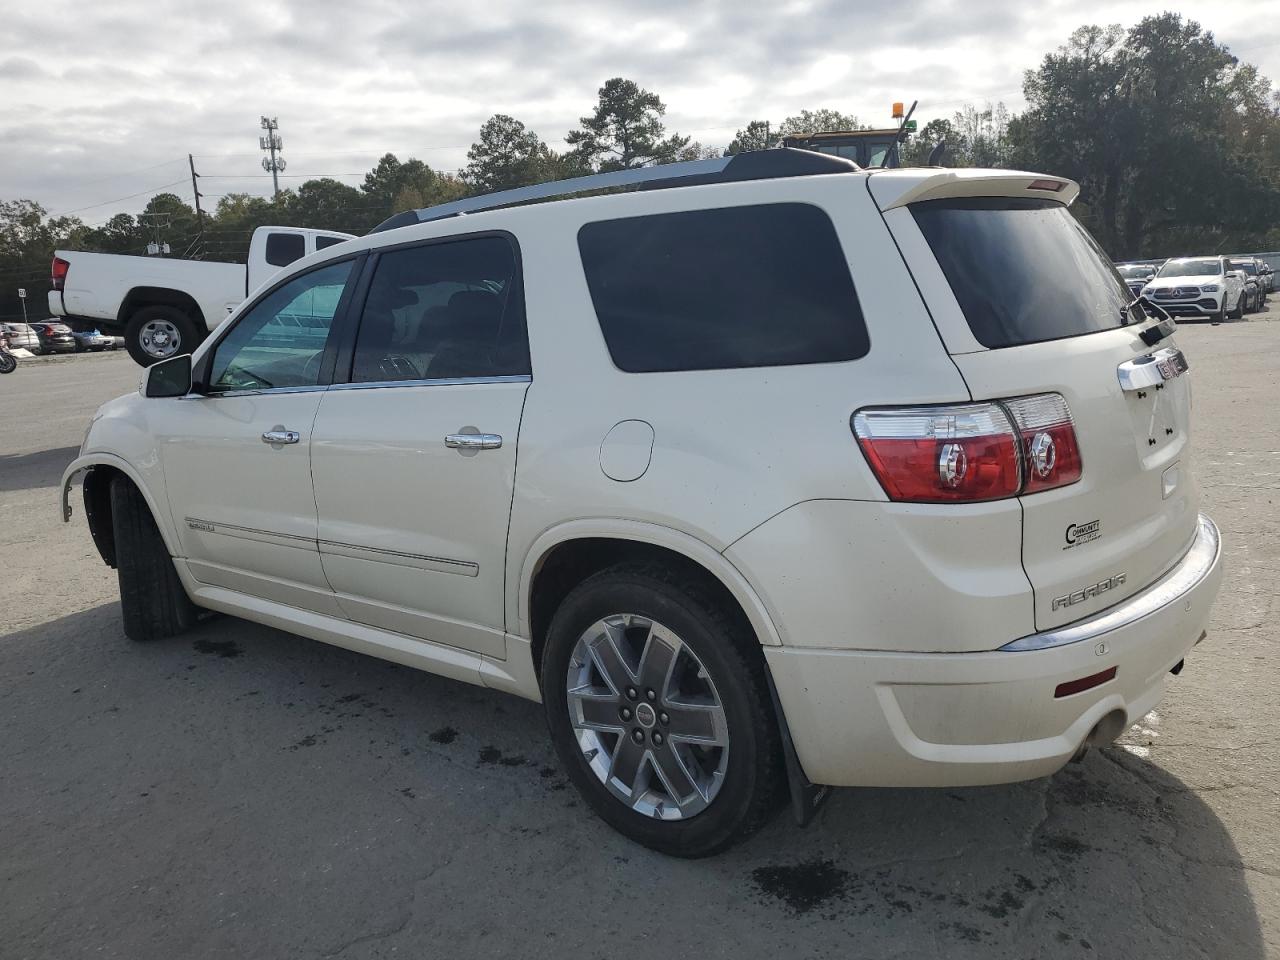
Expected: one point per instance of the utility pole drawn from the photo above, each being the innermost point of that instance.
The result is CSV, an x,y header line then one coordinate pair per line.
x,y
272,143
195,189
159,221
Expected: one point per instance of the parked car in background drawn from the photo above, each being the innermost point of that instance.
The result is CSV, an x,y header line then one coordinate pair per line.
x,y
1136,275
1268,277
798,443
22,337
1198,287
92,341
1253,280
166,306
54,337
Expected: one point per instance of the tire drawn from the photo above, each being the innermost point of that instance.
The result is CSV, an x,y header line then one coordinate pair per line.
x,y
158,333
742,782
153,602
1238,312
8,363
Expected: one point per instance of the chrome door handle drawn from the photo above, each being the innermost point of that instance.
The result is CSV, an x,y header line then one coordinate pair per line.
x,y
281,436
473,441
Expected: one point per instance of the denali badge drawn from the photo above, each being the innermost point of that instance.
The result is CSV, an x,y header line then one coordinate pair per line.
x,y
1102,586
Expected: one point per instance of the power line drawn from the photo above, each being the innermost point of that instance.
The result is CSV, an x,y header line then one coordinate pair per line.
x,y
130,196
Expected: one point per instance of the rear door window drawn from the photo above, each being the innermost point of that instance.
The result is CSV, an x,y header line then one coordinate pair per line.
x,y
1023,270
284,248
444,311
753,286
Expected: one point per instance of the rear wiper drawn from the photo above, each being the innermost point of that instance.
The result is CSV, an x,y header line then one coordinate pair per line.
x,y
1156,332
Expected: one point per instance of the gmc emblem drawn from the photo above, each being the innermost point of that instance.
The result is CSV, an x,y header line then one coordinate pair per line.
x,y
1093,590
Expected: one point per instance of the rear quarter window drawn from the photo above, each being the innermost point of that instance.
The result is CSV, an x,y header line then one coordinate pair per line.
x,y
1023,270
735,287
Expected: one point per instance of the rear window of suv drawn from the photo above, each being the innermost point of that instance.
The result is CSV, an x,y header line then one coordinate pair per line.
x,y
1023,270
752,286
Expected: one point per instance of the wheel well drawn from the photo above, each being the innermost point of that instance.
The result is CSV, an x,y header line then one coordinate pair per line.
x,y
97,509
567,564
141,297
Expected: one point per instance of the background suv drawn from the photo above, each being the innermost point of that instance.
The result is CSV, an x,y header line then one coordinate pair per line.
x,y
1199,287
54,337
779,473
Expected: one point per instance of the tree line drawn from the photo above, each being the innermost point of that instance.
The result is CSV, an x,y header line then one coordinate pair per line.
x,y
1174,141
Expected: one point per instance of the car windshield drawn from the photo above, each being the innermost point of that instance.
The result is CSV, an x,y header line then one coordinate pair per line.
x,y
1191,268
1131,271
1245,265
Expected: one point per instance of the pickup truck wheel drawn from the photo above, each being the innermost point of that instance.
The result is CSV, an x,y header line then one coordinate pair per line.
x,y
158,333
659,709
153,602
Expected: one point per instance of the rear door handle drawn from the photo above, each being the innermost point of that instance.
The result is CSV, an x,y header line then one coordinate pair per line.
x,y
473,441
281,436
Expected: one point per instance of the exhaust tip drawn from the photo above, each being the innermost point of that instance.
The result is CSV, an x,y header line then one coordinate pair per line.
x,y
1104,732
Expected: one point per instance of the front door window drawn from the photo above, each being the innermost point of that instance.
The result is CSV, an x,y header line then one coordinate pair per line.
x,y
280,341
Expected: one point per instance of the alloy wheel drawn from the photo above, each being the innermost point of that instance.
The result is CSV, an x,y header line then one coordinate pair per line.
x,y
647,717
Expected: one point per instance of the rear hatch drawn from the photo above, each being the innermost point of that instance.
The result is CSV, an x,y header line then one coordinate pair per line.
x,y
1028,304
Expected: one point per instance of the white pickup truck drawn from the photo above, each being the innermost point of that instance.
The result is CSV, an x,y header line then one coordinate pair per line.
x,y
165,307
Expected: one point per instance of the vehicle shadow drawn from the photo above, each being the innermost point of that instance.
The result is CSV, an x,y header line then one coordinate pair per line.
x,y
241,791
38,468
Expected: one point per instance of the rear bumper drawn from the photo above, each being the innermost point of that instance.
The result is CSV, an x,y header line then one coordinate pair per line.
x,y
871,718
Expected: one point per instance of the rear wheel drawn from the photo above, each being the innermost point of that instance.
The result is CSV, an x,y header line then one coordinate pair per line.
x,y
659,709
1238,312
158,333
153,602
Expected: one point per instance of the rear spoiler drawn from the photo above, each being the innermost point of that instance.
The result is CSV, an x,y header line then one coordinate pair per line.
x,y
897,188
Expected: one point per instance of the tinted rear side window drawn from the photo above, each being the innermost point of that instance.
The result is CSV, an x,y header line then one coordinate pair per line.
x,y
1022,270
323,241
716,289
284,248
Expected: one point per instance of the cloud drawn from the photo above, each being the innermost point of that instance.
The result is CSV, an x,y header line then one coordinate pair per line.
x,y
121,92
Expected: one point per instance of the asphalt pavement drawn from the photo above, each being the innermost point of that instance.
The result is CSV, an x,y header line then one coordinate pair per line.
x,y
240,792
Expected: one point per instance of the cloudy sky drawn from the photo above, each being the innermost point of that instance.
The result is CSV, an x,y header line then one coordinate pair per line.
x,y
102,100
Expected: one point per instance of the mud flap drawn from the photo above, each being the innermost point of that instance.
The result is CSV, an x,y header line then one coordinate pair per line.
x,y
806,798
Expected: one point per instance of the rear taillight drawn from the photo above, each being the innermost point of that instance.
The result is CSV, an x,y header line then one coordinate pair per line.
x,y
1048,441
941,454
60,268
970,452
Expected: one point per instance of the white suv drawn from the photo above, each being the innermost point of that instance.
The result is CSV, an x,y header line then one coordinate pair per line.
x,y
1199,287
776,473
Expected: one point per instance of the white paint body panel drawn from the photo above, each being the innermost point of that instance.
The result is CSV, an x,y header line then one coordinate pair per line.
x,y
879,620
431,521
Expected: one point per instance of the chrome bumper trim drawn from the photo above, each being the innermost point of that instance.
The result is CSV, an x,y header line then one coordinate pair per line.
x,y
1189,573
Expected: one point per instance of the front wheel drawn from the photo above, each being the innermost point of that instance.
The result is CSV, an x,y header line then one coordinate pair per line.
x,y
658,706
153,602
158,333
8,363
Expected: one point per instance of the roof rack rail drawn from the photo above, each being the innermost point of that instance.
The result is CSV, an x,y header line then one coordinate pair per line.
x,y
754,165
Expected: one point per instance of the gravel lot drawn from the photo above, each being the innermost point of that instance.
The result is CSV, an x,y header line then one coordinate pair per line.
x,y
240,792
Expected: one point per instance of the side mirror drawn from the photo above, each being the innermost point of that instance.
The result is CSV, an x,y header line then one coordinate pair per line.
x,y
168,378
